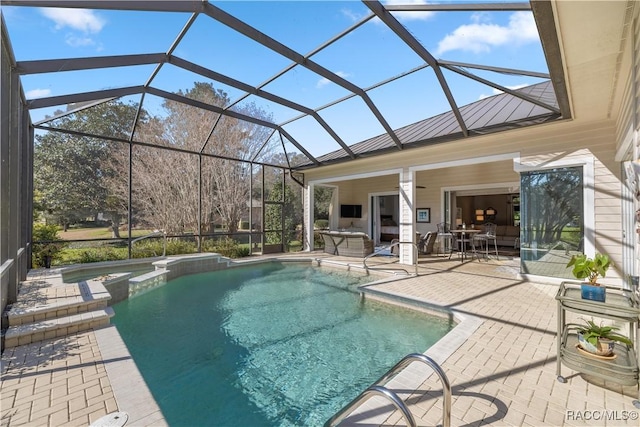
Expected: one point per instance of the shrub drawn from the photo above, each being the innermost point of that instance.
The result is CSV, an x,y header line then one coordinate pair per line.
x,y
155,247
42,251
227,247
98,255
92,254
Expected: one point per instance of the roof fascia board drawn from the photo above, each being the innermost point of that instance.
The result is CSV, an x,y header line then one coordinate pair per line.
x,y
76,64
545,22
395,26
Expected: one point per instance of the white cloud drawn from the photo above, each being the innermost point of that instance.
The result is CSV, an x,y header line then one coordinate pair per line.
x,y
353,16
78,19
498,92
323,82
37,93
481,36
75,41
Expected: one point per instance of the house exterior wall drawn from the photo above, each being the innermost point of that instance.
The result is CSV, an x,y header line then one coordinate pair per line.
x,y
564,143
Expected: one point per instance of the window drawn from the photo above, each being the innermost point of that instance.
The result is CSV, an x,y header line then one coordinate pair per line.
x,y
551,219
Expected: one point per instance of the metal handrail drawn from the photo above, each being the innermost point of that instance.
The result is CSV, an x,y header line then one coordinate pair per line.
x,y
379,251
381,391
377,389
154,233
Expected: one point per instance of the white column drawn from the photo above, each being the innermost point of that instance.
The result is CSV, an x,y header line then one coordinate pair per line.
x,y
308,217
407,216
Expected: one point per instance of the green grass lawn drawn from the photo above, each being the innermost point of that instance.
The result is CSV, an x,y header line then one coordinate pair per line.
x,y
97,233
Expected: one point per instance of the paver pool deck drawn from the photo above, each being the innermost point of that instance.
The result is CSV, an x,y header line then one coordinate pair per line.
x,y
503,374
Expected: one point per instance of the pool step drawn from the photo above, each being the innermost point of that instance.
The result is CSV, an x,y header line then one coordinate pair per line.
x,y
58,327
49,309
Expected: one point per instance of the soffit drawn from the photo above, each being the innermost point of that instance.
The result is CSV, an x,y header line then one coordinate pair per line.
x,y
591,33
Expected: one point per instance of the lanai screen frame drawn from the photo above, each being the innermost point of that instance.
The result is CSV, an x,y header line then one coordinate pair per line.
x,y
21,131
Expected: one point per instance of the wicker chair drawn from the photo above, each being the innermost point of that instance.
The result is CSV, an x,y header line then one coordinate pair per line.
x,y
345,243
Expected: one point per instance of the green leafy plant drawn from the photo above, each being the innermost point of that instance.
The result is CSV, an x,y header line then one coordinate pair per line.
x,y
589,268
592,332
46,251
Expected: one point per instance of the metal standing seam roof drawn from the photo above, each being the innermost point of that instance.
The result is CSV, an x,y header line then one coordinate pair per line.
x,y
492,114
510,109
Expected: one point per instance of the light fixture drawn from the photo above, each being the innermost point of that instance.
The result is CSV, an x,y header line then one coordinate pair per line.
x,y
490,213
479,215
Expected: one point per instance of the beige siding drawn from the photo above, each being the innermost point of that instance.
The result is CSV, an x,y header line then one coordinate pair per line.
x,y
566,141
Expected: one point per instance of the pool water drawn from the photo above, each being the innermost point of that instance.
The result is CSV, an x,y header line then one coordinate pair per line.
x,y
267,345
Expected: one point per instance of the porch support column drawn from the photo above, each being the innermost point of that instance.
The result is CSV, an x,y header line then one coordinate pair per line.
x,y
407,211
308,217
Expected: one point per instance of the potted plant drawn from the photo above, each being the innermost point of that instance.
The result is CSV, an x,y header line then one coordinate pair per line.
x,y
590,269
600,340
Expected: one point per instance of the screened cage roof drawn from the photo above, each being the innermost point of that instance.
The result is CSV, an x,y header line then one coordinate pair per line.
x,y
329,81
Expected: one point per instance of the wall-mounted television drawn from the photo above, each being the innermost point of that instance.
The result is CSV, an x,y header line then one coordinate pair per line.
x,y
351,211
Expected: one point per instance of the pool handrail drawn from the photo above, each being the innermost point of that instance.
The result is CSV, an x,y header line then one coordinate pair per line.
x,y
154,233
377,388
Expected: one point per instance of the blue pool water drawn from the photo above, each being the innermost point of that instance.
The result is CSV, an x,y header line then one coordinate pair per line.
x,y
267,345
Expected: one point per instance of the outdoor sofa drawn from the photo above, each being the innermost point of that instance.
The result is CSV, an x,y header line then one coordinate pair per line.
x,y
347,243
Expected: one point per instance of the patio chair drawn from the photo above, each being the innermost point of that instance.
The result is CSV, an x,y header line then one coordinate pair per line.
x,y
444,238
485,238
426,242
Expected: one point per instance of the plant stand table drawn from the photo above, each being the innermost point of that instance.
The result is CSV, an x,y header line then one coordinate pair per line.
x,y
620,305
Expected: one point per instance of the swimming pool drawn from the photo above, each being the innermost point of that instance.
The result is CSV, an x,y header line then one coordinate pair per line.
x,y
268,345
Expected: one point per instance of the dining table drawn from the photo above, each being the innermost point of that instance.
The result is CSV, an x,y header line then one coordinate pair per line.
x,y
462,233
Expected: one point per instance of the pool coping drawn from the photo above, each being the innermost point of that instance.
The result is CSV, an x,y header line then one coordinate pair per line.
x,y
135,398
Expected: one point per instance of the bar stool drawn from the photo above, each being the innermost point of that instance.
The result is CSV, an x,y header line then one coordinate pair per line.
x,y
444,238
486,237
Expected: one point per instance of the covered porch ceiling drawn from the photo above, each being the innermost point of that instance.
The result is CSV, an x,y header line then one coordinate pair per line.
x,y
366,81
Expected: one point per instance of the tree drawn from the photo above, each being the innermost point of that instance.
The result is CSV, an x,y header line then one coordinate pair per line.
x,y
552,199
287,213
166,183
69,170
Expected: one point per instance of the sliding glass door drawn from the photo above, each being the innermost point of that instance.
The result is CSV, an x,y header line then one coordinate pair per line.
x,y
551,220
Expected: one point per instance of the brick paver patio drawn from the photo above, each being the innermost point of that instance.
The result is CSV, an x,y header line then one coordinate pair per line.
x,y
503,374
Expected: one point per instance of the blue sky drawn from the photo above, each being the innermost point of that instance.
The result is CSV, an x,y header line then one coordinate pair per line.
x,y
370,54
